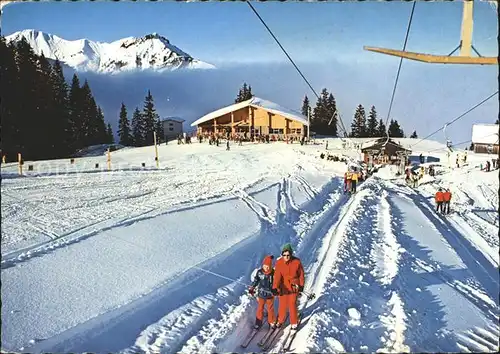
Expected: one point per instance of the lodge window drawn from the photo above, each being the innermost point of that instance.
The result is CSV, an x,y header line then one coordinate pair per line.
x,y
275,131
171,129
171,124
295,131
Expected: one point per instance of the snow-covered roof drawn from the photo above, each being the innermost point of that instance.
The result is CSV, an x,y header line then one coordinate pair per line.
x,y
485,134
174,119
255,102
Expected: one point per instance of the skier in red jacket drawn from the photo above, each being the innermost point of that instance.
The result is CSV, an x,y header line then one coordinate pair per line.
x,y
288,283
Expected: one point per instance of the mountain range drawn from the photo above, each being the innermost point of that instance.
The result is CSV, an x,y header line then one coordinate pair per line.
x,y
150,52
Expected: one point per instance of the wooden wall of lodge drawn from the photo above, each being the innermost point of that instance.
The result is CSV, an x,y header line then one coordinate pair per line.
x,y
260,119
382,159
483,148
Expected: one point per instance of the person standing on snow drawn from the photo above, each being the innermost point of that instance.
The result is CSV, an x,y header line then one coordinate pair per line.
x,y
348,178
288,283
264,280
354,181
439,197
446,201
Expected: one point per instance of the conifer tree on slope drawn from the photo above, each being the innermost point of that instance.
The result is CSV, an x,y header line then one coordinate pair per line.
x,y
395,130
372,123
306,107
332,114
28,117
245,93
149,117
43,145
382,130
61,129
10,93
124,133
414,135
160,134
248,93
75,125
92,125
110,139
137,129
102,136
319,122
358,125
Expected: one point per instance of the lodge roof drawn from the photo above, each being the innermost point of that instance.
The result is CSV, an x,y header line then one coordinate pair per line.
x,y
379,144
255,102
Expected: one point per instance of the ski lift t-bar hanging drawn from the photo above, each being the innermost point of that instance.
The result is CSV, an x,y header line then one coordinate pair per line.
x,y
465,47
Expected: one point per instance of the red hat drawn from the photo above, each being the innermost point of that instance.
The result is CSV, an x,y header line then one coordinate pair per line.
x,y
268,260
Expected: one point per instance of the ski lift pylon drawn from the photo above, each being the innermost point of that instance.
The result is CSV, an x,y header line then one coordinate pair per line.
x,y
465,47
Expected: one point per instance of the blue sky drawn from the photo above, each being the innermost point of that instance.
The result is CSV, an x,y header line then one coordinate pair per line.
x,y
323,37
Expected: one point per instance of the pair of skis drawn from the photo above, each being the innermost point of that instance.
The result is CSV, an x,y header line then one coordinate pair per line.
x,y
269,338
265,342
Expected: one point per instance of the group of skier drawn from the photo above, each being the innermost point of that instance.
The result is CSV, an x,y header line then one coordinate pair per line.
x,y
351,180
443,198
286,281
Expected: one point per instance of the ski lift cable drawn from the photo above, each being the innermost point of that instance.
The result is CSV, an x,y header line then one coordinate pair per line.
x,y
457,118
398,72
461,143
290,59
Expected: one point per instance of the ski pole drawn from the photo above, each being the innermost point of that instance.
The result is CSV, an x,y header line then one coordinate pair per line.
x,y
221,276
227,278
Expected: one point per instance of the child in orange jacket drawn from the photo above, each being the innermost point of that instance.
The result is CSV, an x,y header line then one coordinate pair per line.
x,y
264,280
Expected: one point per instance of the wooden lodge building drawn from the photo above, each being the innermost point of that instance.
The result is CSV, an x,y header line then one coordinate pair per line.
x,y
391,153
253,117
485,138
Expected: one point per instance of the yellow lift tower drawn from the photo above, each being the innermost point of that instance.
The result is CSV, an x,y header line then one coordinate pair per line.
x,y
465,46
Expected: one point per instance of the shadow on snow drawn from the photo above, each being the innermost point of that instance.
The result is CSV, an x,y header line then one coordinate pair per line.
x,y
127,322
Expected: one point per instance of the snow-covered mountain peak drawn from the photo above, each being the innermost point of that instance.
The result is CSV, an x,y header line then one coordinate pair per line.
x,y
152,51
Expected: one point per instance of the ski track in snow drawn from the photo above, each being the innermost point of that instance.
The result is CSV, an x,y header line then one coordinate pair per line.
x,y
222,334
389,274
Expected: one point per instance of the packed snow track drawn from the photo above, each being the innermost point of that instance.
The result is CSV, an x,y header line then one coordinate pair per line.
x,y
158,261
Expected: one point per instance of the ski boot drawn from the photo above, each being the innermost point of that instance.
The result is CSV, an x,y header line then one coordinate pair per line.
x,y
258,324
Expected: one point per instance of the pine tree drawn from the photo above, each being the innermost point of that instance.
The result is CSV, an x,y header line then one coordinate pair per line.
x,y
414,135
245,93
76,133
306,107
160,134
320,119
45,122
102,134
395,130
61,129
109,135
137,129
382,130
358,125
124,127
28,115
90,124
149,117
331,115
9,107
372,123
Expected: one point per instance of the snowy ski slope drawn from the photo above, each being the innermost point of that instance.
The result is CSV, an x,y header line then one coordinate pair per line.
x,y
147,260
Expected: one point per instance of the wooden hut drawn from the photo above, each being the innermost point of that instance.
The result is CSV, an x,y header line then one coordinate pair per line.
x,y
382,153
253,117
